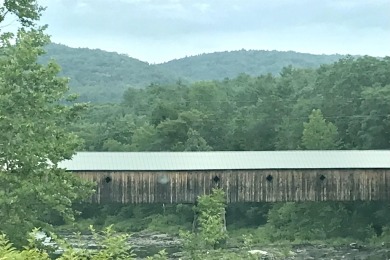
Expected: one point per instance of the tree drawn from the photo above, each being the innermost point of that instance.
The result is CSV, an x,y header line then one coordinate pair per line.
x,y
319,134
342,86
161,112
144,138
27,11
196,142
375,126
33,135
209,230
306,221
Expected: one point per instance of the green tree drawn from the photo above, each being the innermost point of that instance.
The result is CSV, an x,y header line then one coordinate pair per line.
x,y
161,112
196,142
342,85
306,221
26,11
319,134
144,138
210,223
115,146
33,135
375,127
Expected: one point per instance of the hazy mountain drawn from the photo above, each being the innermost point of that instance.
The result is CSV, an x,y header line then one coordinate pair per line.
x,y
220,65
101,76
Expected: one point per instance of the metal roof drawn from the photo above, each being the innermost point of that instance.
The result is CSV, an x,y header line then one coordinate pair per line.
x,y
170,161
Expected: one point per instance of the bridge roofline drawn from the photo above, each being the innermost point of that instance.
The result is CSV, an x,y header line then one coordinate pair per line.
x,y
228,160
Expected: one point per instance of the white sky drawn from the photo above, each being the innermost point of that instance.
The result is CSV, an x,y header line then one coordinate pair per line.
x,y
161,30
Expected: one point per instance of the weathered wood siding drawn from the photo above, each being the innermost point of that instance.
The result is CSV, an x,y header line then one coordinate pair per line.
x,y
241,185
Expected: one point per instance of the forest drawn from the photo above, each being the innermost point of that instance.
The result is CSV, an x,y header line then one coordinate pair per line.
x,y
313,104
100,77
343,105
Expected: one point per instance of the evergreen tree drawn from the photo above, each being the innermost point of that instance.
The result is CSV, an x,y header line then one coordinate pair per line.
x,y
319,134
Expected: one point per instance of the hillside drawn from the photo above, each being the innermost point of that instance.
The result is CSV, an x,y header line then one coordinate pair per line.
x,y
220,65
100,76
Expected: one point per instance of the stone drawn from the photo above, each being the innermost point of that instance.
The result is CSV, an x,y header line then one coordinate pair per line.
x,y
258,252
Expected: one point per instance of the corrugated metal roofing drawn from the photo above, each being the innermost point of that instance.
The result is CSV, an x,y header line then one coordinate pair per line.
x,y
169,161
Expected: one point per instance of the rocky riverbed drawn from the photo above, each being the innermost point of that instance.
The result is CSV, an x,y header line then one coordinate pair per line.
x,y
314,252
148,243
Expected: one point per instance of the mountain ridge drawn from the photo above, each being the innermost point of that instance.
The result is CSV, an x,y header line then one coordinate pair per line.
x,y
102,76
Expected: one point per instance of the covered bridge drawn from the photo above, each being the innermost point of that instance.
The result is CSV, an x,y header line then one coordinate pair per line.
x,y
179,177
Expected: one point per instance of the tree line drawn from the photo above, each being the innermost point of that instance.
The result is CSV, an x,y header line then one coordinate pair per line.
x,y
344,105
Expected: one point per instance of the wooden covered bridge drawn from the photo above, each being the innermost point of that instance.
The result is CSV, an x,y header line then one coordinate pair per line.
x,y
179,177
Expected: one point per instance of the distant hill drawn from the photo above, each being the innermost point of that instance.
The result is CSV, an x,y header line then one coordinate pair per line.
x,y
100,76
220,65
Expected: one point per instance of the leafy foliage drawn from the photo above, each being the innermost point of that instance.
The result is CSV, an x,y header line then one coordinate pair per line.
x,y
33,134
210,222
26,11
318,134
306,221
110,245
250,113
7,251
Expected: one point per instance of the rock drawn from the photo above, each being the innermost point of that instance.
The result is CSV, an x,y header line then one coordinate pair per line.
x,y
354,246
258,252
264,255
385,244
291,253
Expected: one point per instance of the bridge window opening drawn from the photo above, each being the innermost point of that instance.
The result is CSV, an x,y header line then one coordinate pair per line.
x,y
108,179
216,179
269,178
322,177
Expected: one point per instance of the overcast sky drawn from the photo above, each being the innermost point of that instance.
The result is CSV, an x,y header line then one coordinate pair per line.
x,y
161,30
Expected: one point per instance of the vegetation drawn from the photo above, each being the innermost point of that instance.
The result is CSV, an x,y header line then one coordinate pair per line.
x,y
209,226
337,106
229,64
110,246
318,134
100,76
343,105
33,134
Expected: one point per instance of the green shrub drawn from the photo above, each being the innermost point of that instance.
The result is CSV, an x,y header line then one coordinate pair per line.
x,y
110,246
211,230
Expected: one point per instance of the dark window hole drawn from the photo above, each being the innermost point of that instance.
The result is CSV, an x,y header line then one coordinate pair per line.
x,y
108,179
322,177
216,179
269,178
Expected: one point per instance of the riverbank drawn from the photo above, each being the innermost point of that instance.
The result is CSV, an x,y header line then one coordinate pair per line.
x,y
147,243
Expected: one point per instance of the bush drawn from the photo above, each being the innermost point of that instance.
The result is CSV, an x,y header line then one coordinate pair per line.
x,y
211,230
8,251
110,246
